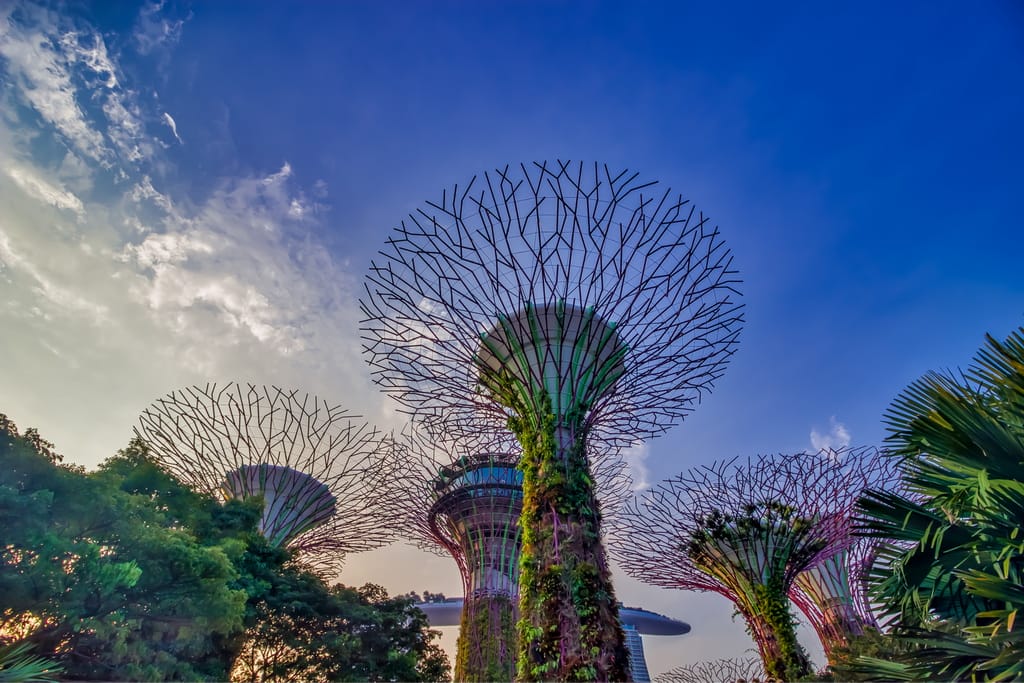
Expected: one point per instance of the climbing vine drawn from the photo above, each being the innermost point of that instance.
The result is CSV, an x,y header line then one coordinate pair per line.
x,y
486,647
784,658
568,628
755,553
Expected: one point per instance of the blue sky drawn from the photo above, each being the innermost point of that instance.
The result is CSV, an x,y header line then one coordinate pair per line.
x,y
193,192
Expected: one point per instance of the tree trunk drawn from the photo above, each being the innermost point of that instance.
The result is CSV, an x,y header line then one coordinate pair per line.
x,y
569,626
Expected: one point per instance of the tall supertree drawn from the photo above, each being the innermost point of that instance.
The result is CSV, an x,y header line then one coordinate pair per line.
x,y
318,468
744,530
833,593
572,305
466,502
748,670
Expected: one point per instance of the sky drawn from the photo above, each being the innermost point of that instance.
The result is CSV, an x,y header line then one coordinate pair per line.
x,y
193,192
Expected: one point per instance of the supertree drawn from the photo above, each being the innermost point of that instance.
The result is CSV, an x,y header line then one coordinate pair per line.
x,y
744,530
833,594
571,305
318,468
736,670
466,501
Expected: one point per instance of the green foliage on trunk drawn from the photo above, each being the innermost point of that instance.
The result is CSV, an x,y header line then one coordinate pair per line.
x,y
569,628
756,553
486,649
783,656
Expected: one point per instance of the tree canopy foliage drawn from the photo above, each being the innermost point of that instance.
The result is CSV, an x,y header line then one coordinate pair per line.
x,y
126,574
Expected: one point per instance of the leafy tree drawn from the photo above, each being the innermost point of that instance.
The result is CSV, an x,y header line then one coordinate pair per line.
x,y
116,574
306,631
951,576
126,574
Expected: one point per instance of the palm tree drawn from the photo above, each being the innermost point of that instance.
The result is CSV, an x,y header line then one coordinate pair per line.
x,y
950,574
19,665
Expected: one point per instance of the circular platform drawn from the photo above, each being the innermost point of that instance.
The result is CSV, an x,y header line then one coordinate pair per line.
x,y
449,613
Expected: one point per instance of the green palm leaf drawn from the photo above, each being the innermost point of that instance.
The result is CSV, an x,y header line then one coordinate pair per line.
x,y
951,569
19,665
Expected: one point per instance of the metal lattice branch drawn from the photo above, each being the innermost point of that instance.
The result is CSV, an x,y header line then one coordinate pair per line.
x,y
318,467
654,533
736,670
833,594
459,277
746,531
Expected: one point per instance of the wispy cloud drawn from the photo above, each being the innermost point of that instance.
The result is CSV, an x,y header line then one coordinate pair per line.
x,y
635,458
154,30
39,58
43,285
124,287
35,186
836,437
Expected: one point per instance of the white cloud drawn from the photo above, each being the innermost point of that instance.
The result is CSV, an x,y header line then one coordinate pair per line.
x,y
159,250
125,128
35,186
635,458
91,51
41,68
836,437
153,31
59,71
45,286
169,120
127,290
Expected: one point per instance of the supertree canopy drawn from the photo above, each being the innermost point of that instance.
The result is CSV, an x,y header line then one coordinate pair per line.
x,y
318,468
748,670
744,530
469,506
571,305
833,593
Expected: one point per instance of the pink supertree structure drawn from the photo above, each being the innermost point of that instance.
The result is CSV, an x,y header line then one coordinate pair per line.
x,y
833,593
319,469
745,530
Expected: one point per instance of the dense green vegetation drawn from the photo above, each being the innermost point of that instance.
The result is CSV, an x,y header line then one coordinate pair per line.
x,y
952,570
126,574
754,553
569,628
486,647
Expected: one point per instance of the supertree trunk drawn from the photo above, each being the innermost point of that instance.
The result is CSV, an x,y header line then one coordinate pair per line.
x,y
466,500
569,627
486,647
834,601
557,292
749,532
771,625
